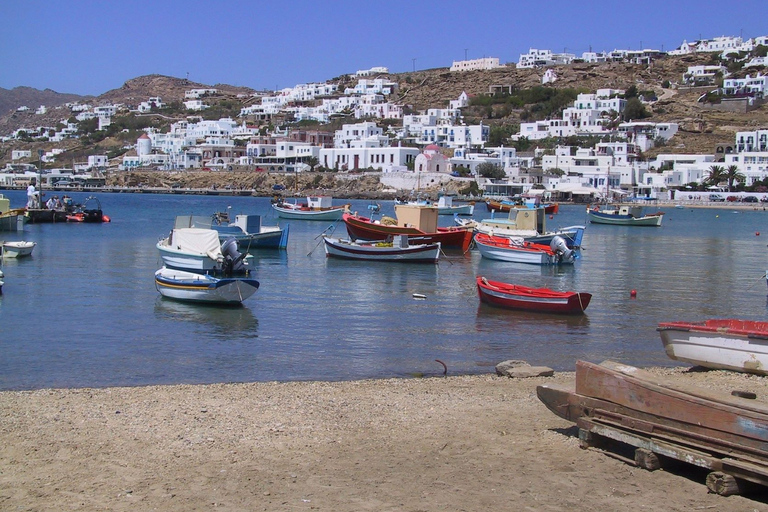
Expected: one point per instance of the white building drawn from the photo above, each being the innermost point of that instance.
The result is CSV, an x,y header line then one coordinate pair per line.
x,y
376,86
541,58
460,102
360,135
18,154
431,160
376,70
703,75
379,158
475,64
756,86
154,102
195,105
194,94
589,115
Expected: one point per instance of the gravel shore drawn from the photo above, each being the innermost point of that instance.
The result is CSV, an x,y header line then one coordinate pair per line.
x,y
453,443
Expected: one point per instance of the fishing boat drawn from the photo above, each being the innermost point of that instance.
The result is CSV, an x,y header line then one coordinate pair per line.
x,y
615,405
11,219
247,230
199,250
193,287
728,344
17,249
519,251
418,222
529,224
445,206
399,249
505,205
544,300
316,208
623,215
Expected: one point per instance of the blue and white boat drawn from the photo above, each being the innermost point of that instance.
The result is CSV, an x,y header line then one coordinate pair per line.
x,y
623,215
194,287
246,230
199,250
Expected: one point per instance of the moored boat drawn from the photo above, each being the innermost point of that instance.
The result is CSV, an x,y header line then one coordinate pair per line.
x,y
445,206
195,287
247,230
623,215
316,208
11,219
18,249
519,251
529,224
507,205
199,250
728,344
418,222
90,211
544,300
398,249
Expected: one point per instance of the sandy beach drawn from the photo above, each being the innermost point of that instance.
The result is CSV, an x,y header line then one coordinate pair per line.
x,y
442,443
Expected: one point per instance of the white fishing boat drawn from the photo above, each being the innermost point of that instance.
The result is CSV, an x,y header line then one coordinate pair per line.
x,y
519,251
199,250
195,287
247,230
528,224
445,206
316,208
17,249
623,215
398,250
729,344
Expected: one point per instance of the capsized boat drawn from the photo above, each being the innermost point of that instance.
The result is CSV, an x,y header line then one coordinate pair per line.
x,y
18,249
195,287
199,250
399,249
316,208
544,300
519,251
418,222
618,403
727,344
623,215
247,230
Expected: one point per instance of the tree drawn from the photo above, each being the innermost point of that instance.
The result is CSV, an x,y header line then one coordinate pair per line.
x,y
489,170
312,162
715,175
634,109
733,174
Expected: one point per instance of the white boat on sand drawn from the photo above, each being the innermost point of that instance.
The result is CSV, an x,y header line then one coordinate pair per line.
x,y
195,287
17,249
729,344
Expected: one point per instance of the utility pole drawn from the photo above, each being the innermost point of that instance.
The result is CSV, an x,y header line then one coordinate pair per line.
x,y
465,53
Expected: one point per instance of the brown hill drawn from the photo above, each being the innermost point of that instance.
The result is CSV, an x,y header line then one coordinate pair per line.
x,y
167,88
11,99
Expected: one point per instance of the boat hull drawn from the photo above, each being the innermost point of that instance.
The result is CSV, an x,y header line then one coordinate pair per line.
x,y
309,214
507,249
12,221
465,209
737,345
503,206
362,228
193,287
624,220
422,253
17,249
543,300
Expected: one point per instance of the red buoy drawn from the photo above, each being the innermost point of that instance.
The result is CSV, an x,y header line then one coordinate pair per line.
x,y
757,233
633,293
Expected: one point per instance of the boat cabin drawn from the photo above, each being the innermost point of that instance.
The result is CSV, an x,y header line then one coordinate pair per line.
x,y
631,210
530,219
420,217
319,202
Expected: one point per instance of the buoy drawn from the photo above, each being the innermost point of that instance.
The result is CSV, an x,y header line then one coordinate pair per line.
x,y
717,216
633,293
419,296
757,233
551,216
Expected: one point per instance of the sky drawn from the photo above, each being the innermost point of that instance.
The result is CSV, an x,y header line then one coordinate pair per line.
x,y
91,47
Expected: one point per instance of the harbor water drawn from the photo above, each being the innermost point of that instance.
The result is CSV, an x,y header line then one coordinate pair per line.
x,y
83,311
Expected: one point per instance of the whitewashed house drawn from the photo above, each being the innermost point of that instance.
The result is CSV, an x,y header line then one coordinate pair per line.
x,y
431,160
756,86
18,154
476,64
703,75
195,105
194,94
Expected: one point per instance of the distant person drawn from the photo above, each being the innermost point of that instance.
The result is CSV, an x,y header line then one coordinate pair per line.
x,y
33,196
51,203
57,204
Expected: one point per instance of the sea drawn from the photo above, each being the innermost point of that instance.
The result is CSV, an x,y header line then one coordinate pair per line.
x,y
83,310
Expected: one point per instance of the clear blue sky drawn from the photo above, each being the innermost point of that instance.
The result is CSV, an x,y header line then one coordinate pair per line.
x,y
91,47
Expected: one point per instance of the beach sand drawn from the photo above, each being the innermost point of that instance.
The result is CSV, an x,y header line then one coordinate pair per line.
x,y
433,444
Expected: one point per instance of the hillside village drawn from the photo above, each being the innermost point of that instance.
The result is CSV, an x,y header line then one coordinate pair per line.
x,y
627,123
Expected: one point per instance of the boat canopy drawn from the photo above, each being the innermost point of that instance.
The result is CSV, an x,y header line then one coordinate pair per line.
x,y
195,240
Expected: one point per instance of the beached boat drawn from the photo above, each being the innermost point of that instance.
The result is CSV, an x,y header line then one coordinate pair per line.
x,y
199,250
245,229
316,208
519,251
544,300
17,249
193,287
399,249
418,222
529,224
728,344
619,405
623,215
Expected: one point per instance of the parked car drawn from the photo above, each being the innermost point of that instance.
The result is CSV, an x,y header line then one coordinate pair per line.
x,y
717,198
749,199
732,199
278,187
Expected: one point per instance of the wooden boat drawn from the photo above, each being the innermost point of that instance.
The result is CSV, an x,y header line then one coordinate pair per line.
x,y
397,250
17,249
519,251
528,224
729,344
199,250
316,208
194,287
418,222
623,215
618,403
245,229
445,206
514,296
508,205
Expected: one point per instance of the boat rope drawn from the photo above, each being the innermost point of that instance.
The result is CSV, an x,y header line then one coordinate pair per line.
x,y
327,231
757,280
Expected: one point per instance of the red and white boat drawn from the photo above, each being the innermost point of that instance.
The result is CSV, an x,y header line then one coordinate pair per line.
x,y
728,344
514,296
418,222
397,250
519,251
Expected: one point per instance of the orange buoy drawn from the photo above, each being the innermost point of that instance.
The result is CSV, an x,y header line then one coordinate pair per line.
x,y
633,293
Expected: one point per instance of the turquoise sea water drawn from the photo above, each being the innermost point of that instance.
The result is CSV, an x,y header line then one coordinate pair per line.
x,y
83,310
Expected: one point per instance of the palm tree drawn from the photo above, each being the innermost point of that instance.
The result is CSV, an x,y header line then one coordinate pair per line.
x,y
732,174
715,175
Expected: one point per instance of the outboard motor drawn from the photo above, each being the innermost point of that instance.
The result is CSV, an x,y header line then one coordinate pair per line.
x,y
560,248
233,259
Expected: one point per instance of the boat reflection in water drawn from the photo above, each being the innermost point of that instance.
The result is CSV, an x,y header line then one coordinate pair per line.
x,y
221,320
